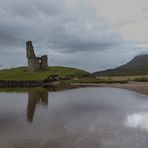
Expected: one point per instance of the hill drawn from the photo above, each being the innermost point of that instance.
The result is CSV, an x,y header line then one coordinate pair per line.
x,y
137,66
21,73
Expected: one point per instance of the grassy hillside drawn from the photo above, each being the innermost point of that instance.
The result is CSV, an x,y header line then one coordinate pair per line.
x,y
21,73
137,66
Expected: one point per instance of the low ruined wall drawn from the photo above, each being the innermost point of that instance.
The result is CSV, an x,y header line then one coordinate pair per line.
x,y
14,83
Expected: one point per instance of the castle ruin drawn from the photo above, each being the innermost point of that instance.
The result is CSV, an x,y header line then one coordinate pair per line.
x,y
35,63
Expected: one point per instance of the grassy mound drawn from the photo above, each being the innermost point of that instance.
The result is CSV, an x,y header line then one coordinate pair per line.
x,y
21,73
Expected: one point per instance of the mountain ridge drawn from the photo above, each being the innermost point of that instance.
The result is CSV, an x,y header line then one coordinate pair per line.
x,y
137,66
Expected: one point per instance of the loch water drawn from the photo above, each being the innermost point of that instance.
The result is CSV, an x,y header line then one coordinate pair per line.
x,y
76,118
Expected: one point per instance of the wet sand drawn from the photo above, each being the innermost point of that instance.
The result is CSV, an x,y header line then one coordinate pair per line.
x,y
140,87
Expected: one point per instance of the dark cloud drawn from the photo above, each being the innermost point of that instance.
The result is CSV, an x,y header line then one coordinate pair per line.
x,y
53,24
29,8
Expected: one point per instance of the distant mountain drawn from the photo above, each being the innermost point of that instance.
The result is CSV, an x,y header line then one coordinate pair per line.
x,y
137,66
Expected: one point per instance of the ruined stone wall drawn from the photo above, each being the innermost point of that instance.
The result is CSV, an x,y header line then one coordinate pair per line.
x,y
44,61
35,63
29,50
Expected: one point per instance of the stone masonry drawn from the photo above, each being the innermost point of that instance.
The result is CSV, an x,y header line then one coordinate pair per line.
x,y
35,63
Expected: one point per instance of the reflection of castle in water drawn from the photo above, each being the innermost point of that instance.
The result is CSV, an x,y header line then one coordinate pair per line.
x,y
34,98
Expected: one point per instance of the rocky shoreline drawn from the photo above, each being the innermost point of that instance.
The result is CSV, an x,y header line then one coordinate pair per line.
x,y
140,87
15,83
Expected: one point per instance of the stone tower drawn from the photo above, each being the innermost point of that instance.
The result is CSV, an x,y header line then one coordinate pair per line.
x,y
35,63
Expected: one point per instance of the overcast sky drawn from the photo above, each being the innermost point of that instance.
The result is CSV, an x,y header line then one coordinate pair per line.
x,y
89,34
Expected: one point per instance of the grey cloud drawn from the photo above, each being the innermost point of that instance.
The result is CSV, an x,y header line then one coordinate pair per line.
x,y
52,24
9,35
29,8
80,46
1,66
62,32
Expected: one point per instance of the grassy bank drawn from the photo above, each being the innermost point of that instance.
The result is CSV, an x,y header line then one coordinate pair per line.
x,y
21,90
21,73
94,80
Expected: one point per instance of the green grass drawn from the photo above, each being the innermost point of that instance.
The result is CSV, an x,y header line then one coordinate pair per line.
x,y
141,79
101,80
21,73
22,90
94,80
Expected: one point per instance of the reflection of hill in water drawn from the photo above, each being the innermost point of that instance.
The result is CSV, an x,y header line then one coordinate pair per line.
x,y
34,98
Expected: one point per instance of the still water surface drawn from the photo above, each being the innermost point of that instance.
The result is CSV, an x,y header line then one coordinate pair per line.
x,y
78,118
